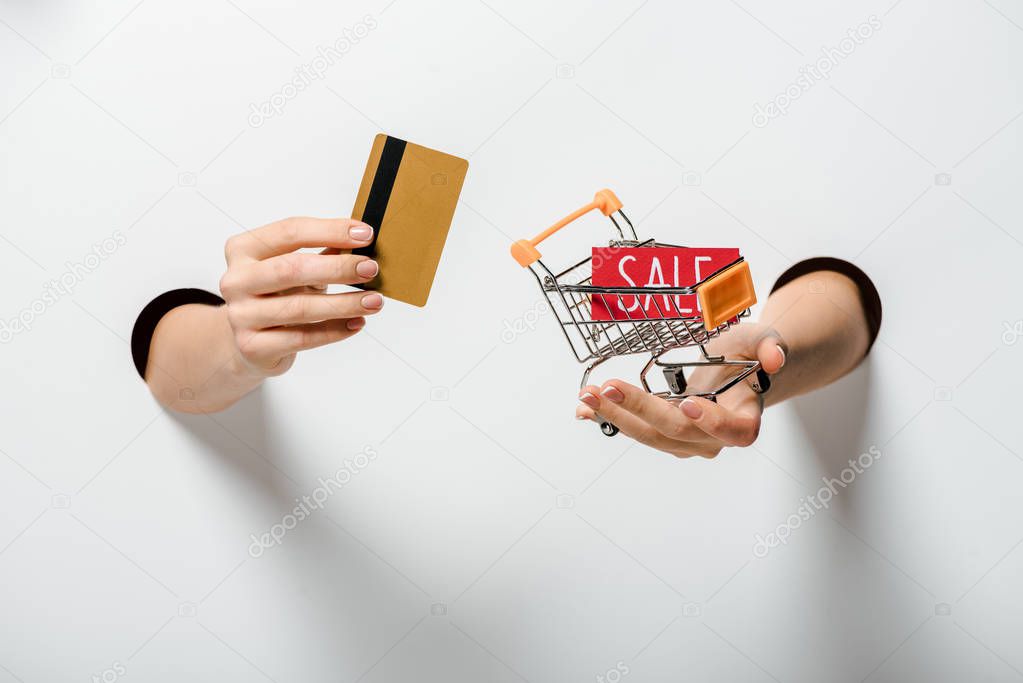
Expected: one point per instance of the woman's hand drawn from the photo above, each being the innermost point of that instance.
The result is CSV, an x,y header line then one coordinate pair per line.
x,y
204,358
821,317
694,426
276,297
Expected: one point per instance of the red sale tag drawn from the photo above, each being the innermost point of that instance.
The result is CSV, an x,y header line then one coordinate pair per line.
x,y
652,267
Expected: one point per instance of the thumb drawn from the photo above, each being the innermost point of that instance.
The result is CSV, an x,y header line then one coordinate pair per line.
x,y
771,353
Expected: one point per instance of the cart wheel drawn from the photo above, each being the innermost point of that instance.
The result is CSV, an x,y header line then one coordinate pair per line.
x,y
762,383
675,376
608,429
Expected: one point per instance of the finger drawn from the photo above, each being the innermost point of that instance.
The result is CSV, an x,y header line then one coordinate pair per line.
x,y
631,426
653,410
732,427
771,354
315,289
296,309
635,428
266,347
295,233
583,412
280,273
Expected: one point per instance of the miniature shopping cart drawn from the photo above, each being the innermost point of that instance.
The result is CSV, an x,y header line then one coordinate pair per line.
x,y
724,299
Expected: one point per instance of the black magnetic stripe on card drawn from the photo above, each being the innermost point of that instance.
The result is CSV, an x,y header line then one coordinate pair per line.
x,y
380,190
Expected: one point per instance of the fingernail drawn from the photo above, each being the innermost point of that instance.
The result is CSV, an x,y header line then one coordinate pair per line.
x,y
367,268
589,399
782,352
360,232
692,409
613,394
581,417
356,324
372,301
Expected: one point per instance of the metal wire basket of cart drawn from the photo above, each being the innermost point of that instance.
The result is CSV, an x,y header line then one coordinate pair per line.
x,y
724,298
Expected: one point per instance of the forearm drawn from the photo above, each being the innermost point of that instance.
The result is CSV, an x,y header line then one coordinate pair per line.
x,y
194,365
821,321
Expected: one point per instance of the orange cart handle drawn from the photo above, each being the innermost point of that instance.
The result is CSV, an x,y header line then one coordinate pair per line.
x,y
525,251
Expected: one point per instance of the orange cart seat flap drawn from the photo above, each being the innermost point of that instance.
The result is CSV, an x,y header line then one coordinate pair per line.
x,y
726,295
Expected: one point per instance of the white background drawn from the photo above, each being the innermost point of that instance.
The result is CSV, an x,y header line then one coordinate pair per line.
x,y
124,531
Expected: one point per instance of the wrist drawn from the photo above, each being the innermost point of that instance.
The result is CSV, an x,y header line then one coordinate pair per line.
x,y
235,364
242,370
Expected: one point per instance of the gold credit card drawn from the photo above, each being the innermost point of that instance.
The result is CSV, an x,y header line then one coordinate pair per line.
x,y
408,196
